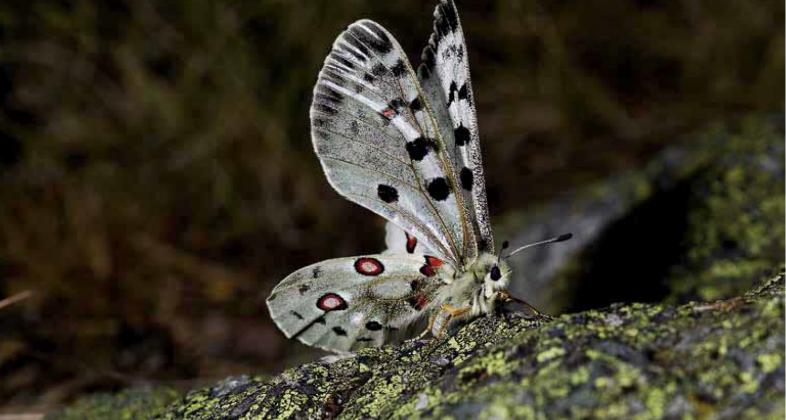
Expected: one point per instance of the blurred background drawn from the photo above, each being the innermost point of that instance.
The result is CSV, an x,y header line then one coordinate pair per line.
x,y
157,177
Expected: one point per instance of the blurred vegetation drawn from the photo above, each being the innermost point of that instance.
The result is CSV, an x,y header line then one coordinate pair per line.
x,y
157,177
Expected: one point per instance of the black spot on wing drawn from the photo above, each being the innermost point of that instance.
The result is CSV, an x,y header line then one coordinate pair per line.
x,y
369,78
399,68
340,331
462,135
303,288
365,339
438,188
415,285
419,148
373,326
452,92
315,273
466,177
397,104
296,314
416,105
379,69
387,193
463,93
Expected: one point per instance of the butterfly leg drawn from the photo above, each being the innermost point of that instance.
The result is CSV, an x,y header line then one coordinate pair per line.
x,y
443,318
431,320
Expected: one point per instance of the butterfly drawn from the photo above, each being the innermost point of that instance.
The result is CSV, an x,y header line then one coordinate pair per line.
x,y
404,144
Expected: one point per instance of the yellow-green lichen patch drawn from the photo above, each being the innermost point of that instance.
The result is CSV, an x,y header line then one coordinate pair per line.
x,y
695,360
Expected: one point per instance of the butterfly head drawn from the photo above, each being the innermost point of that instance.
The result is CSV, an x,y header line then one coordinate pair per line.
x,y
495,274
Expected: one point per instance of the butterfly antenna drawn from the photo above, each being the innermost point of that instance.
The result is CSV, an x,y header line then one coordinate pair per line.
x,y
560,238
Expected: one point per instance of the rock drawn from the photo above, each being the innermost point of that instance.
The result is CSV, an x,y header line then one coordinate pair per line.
x,y
700,222
720,359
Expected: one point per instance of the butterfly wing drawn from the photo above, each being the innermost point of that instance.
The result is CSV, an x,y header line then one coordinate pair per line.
x,y
444,75
345,304
400,242
378,140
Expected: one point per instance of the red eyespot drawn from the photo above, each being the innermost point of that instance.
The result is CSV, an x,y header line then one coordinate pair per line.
x,y
369,266
434,261
431,266
388,113
331,302
418,301
427,271
412,242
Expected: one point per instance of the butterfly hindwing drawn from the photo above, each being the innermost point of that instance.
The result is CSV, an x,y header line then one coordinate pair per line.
x,y
345,304
380,144
444,75
400,242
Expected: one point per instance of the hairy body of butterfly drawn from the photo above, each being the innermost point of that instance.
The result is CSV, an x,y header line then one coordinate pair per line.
x,y
405,145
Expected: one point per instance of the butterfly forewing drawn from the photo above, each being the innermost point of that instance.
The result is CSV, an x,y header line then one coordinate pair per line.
x,y
381,147
345,304
444,75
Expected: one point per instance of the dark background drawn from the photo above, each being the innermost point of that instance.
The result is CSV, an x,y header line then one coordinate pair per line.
x,y
157,177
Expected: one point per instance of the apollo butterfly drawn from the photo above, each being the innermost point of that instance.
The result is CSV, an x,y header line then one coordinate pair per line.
x,y
404,144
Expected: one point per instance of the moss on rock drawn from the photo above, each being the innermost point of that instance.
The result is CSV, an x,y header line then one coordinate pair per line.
x,y
720,359
127,404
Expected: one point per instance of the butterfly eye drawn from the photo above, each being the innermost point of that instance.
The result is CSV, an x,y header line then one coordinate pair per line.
x,y
495,273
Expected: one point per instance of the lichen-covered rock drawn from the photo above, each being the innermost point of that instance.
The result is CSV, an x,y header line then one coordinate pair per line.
x,y
721,359
700,222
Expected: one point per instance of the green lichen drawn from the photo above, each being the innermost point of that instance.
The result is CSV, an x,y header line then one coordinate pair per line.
x,y
705,216
736,225
721,358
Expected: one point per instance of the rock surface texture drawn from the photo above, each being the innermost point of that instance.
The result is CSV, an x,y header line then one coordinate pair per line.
x,y
722,359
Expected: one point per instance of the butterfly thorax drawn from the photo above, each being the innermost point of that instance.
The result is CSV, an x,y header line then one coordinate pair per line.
x,y
475,287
